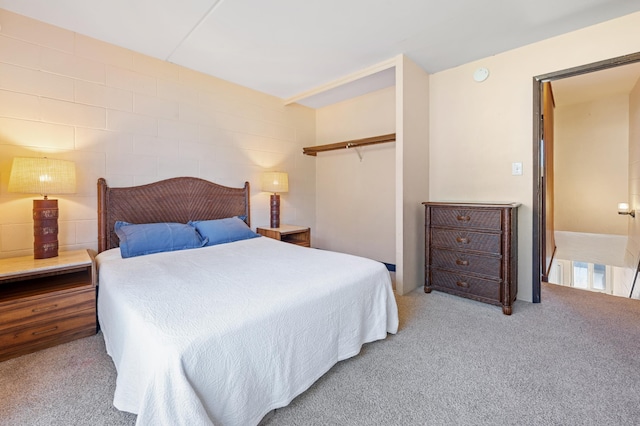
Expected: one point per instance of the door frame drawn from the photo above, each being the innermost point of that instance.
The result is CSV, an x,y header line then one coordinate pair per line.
x,y
538,188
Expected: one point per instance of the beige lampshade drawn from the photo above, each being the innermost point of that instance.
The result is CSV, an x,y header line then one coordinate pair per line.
x,y
45,176
275,182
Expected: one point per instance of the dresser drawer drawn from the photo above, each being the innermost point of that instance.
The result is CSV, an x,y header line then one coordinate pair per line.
x,y
32,309
466,218
467,262
48,332
466,240
485,290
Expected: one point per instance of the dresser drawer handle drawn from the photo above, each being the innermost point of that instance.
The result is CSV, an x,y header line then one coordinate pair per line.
x,y
463,218
46,308
462,284
462,240
49,330
462,262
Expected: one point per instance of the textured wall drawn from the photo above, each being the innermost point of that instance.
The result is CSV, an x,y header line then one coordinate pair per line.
x,y
134,119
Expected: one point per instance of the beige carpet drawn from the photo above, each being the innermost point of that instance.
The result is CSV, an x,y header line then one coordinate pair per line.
x,y
573,359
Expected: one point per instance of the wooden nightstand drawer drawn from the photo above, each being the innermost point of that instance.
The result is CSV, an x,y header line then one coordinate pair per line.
x,y
34,308
48,332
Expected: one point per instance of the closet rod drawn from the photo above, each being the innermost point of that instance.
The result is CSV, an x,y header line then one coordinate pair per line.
x,y
314,150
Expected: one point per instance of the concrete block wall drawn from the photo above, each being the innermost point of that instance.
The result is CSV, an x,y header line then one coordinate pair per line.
x,y
135,119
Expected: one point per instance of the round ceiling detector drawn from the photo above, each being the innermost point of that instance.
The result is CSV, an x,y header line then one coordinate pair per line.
x,y
481,74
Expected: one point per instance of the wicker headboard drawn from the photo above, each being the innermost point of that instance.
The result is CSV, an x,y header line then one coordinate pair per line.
x,y
172,200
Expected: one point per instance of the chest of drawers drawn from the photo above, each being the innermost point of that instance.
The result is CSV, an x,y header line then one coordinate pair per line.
x,y
471,251
45,302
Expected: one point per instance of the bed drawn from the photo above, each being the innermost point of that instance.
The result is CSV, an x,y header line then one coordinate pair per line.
x,y
225,333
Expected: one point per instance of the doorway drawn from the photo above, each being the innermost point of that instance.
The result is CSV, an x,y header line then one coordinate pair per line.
x,y
540,193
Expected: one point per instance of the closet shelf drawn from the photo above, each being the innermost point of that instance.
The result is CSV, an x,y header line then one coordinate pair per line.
x,y
314,150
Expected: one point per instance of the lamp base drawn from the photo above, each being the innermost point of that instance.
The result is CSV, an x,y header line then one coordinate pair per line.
x,y
45,229
275,211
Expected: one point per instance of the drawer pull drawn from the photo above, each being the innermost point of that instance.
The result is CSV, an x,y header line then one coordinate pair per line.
x,y
48,330
462,284
464,218
46,308
462,240
462,262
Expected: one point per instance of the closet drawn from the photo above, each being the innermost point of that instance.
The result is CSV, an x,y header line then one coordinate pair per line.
x,y
371,154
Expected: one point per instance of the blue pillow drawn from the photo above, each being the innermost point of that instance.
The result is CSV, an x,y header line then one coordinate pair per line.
x,y
221,231
138,240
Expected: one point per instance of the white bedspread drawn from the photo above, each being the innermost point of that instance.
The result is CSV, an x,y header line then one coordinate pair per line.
x,y
224,334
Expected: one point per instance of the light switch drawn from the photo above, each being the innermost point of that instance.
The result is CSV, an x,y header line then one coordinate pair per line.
x,y
516,169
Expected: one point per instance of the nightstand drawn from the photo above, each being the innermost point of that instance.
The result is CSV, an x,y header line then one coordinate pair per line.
x,y
299,235
45,302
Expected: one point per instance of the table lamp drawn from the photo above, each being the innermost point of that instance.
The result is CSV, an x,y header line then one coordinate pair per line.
x,y
275,182
43,176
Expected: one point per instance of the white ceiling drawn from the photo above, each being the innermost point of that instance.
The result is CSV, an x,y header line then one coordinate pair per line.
x,y
288,47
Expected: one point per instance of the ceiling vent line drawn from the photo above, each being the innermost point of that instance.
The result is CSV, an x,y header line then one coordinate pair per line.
x,y
214,6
